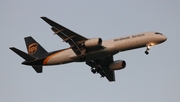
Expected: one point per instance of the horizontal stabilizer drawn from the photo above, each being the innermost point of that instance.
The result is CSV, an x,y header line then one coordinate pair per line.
x,y
24,55
37,68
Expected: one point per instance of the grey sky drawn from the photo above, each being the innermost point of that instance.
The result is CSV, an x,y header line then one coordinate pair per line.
x,y
152,78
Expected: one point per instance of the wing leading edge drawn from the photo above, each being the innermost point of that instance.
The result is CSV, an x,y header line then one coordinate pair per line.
x,y
67,35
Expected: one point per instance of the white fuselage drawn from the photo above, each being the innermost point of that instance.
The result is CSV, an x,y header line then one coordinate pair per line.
x,y
111,47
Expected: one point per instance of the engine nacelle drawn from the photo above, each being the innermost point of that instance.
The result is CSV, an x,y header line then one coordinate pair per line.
x,y
117,65
93,42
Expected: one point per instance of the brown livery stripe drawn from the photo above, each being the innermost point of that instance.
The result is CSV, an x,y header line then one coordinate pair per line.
x,y
49,57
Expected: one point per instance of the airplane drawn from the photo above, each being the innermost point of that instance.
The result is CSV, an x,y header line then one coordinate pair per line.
x,y
95,52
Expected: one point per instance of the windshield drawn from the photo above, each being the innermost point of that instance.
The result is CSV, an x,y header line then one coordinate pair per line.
x,y
158,33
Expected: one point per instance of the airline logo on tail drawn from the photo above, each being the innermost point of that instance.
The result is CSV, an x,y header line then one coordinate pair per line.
x,y
32,48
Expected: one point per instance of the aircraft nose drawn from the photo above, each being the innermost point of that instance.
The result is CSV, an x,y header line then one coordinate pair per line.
x,y
163,38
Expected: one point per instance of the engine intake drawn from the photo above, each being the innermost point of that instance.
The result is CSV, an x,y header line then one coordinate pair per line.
x,y
117,65
93,42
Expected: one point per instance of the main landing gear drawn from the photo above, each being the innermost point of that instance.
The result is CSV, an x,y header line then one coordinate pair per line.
x,y
147,48
99,70
96,68
93,70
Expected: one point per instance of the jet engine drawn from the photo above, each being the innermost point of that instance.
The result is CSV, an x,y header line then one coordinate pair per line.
x,y
93,42
117,65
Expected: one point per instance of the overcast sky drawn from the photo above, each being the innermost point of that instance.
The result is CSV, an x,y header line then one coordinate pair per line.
x,y
147,78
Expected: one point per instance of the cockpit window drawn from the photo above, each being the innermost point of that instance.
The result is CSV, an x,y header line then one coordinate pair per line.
x,y
158,33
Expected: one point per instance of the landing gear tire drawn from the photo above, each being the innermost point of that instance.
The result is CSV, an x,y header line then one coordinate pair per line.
x,y
146,52
93,71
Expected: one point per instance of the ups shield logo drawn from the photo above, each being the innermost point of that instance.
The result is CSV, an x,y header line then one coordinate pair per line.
x,y
32,48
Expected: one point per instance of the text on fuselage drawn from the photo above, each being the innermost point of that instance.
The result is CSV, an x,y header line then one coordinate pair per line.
x,y
125,38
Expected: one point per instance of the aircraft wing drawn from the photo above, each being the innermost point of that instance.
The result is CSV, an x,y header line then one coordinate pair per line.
x,y
103,64
67,35
110,75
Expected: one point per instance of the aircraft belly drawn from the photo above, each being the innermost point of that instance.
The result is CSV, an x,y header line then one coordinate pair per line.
x,y
100,54
60,58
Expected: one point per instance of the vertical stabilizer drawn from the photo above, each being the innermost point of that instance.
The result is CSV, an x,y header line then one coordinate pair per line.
x,y
33,47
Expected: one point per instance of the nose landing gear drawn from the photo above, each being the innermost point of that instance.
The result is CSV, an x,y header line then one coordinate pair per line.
x,y
147,48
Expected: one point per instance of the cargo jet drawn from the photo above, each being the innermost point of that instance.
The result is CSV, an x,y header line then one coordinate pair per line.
x,y
95,52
